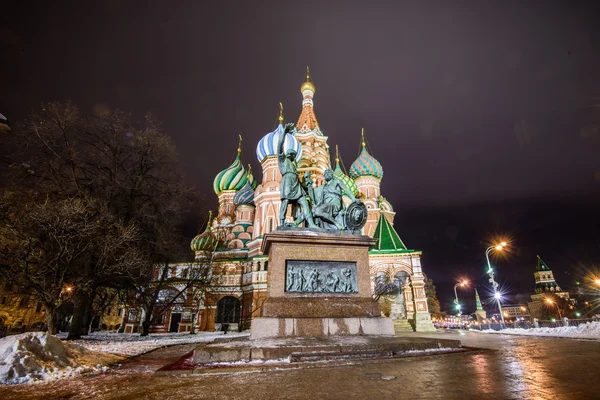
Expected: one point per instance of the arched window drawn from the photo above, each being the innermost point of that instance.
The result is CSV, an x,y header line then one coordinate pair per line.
x,y
228,310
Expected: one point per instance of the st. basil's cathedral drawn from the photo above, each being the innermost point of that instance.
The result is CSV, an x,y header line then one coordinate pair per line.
x,y
247,210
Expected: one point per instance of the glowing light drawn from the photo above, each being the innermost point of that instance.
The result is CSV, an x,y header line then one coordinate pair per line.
x,y
497,295
523,309
597,281
498,247
68,288
578,314
549,301
503,244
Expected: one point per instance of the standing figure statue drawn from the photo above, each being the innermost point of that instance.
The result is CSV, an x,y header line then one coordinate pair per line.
x,y
291,190
329,209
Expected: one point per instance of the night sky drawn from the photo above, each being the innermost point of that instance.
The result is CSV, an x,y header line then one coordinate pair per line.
x,y
484,115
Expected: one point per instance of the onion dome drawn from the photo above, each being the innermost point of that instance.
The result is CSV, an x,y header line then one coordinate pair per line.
x,y
308,85
233,177
245,196
206,241
365,164
307,122
338,173
267,146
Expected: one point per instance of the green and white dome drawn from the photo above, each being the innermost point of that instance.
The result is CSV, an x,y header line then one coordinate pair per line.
x,y
232,178
206,241
338,173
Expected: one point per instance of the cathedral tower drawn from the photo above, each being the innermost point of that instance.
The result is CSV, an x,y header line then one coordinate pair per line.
x,y
315,150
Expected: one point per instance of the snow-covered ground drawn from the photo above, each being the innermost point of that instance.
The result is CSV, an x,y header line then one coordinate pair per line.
x,y
590,330
134,344
36,356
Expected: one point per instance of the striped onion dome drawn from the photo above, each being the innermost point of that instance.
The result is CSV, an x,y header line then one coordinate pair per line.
x,y
245,196
233,177
365,165
349,182
253,182
206,241
268,145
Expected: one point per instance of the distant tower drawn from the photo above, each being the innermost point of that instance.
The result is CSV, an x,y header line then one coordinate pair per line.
x,y
545,286
367,172
479,311
315,150
544,279
227,183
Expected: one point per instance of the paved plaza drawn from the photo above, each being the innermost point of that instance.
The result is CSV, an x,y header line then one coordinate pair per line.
x,y
503,367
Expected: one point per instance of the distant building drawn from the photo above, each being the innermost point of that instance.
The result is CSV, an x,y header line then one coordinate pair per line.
x,y
19,312
515,312
545,286
480,313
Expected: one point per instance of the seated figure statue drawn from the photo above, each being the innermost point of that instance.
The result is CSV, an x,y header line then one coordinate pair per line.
x,y
329,209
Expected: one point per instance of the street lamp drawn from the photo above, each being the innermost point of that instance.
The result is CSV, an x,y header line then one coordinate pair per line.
x,y
490,273
549,301
457,304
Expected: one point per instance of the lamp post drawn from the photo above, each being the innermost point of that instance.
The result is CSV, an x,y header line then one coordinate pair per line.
x,y
463,283
549,301
490,273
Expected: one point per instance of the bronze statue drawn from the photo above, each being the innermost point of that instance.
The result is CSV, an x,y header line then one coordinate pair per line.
x,y
329,209
291,191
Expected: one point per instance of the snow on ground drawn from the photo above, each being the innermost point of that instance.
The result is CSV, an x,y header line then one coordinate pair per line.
x,y
35,356
590,330
126,344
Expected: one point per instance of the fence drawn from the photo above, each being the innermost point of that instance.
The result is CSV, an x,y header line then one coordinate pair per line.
x,y
535,324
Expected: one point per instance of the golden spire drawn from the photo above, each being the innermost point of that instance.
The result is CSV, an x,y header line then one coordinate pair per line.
x,y
308,85
280,113
249,174
337,156
362,138
239,150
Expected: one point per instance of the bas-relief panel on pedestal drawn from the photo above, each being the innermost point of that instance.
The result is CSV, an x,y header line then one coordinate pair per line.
x,y
320,277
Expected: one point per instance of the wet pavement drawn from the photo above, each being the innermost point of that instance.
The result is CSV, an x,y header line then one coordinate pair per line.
x,y
512,367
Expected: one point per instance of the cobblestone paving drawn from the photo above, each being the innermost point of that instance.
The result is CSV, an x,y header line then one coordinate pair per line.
x,y
515,368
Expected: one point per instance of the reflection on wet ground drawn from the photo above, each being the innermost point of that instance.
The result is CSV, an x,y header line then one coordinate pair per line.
x,y
514,368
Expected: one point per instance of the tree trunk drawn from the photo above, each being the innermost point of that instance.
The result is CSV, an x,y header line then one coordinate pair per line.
x,y
80,303
146,324
193,328
51,319
89,314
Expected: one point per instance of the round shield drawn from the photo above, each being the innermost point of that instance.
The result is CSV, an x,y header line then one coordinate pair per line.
x,y
356,215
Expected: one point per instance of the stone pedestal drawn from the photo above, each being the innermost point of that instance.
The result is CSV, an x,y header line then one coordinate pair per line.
x,y
318,286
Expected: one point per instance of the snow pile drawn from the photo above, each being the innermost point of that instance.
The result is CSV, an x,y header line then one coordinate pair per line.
x,y
127,344
589,330
40,356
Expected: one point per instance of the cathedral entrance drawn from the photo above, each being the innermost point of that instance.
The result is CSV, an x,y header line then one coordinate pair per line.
x,y
175,320
228,310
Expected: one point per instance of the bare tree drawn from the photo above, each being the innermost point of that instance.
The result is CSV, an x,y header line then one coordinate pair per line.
x,y
120,180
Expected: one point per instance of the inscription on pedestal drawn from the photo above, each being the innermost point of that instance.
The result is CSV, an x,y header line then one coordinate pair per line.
x,y
320,277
